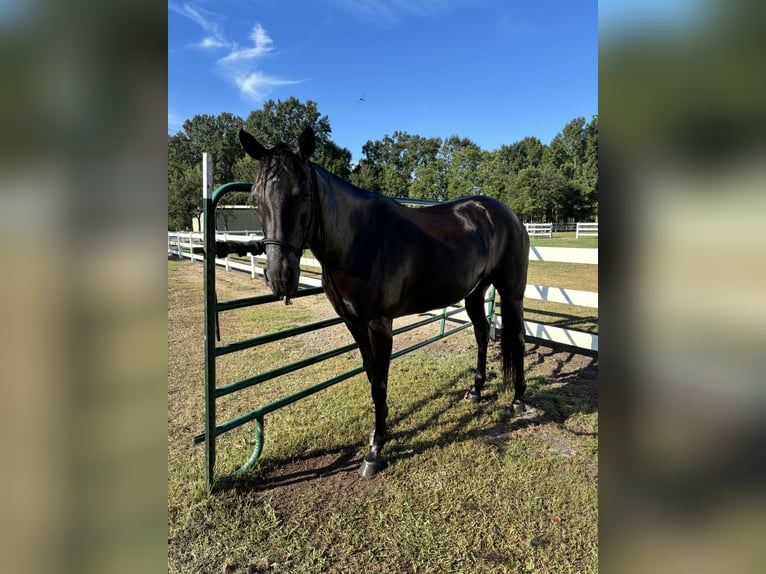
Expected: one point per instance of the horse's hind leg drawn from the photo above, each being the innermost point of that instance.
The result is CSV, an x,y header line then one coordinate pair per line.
x,y
474,306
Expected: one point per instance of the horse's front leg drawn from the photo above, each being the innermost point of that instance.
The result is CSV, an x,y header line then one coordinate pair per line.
x,y
380,339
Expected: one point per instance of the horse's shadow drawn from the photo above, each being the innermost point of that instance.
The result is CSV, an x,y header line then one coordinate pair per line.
x,y
554,397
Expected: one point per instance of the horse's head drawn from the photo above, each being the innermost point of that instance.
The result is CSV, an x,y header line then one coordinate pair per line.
x,y
285,201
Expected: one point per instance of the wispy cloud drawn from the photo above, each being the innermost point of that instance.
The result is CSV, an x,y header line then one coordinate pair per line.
x,y
210,42
239,65
214,37
257,86
262,43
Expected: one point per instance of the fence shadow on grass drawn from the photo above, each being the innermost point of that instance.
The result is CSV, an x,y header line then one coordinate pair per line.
x,y
317,464
569,388
564,320
554,397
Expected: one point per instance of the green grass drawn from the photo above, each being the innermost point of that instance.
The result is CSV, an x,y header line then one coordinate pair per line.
x,y
562,315
581,276
564,239
469,488
568,276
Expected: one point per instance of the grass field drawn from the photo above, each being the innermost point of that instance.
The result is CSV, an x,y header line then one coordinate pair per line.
x,y
582,277
564,239
469,488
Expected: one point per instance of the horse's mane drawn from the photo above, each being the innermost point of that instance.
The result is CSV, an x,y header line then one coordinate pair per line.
x,y
348,187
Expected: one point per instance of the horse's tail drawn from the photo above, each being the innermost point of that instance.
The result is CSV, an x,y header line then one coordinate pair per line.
x,y
512,333
508,341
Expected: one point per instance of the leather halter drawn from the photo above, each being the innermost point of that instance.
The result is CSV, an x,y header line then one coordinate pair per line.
x,y
283,244
286,244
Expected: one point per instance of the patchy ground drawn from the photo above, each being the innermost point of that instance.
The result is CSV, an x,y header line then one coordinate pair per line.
x,y
332,479
443,504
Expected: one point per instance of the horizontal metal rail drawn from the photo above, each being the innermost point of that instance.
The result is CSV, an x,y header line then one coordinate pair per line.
x,y
276,336
284,370
297,365
278,404
251,301
283,402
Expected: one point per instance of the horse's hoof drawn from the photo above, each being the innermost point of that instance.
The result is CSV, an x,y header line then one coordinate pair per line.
x,y
370,469
371,466
521,408
472,397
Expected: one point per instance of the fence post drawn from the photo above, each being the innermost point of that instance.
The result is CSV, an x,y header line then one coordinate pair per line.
x,y
252,258
443,322
210,312
228,255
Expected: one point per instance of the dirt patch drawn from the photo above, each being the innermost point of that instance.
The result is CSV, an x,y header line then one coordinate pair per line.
x,y
322,482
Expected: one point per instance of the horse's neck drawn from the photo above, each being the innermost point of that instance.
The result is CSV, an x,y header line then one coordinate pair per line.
x,y
338,201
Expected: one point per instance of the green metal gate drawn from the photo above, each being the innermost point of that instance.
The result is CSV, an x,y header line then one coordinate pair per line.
x,y
213,350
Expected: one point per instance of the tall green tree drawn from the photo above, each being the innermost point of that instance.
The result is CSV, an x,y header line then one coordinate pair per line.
x,y
566,152
184,198
217,135
542,194
389,164
430,180
588,178
522,154
283,121
366,175
463,176
453,145
495,177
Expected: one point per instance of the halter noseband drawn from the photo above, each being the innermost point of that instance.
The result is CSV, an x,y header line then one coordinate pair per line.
x,y
283,244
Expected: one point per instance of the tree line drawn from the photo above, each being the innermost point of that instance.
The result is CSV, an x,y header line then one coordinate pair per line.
x,y
557,182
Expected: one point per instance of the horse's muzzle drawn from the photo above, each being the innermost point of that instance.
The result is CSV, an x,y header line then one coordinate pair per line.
x,y
282,274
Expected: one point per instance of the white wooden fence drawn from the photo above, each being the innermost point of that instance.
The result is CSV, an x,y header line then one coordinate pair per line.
x,y
581,229
539,229
571,337
189,245
589,229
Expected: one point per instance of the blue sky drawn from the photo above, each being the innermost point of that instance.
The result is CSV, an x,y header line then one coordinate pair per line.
x,y
494,71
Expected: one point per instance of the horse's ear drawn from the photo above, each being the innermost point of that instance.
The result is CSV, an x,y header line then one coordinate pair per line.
x,y
251,145
307,143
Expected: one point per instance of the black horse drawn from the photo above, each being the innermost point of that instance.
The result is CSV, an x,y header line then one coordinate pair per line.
x,y
382,260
